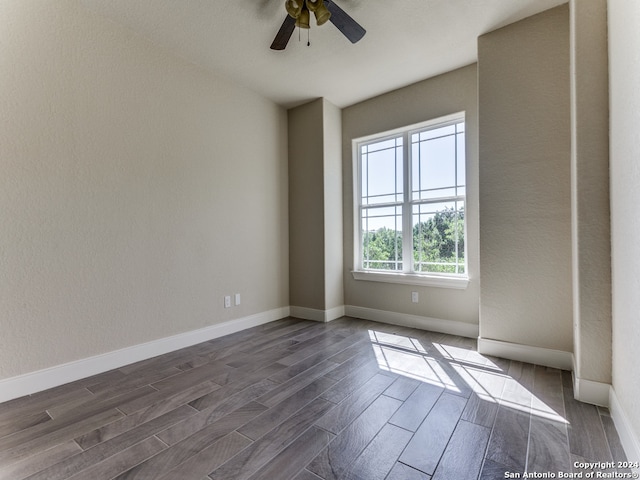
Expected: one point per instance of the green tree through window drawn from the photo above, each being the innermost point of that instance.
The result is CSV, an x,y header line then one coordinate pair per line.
x,y
383,249
438,243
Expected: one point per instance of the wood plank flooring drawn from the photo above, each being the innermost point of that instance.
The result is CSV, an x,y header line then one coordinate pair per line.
x,y
301,400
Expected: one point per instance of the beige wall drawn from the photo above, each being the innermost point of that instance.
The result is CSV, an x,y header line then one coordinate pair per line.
x,y
136,191
334,261
624,61
525,196
449,93
590,191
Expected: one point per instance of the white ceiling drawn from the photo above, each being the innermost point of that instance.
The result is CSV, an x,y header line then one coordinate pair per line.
x,y
406,41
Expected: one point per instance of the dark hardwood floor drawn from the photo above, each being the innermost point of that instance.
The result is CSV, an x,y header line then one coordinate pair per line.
x,y
301,400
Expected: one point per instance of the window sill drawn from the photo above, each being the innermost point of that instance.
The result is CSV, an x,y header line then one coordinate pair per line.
x,y
458,282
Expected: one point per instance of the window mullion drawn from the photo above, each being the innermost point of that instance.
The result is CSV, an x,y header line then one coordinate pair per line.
x,y
407,231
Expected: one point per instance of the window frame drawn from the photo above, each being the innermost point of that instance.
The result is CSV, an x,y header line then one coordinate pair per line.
x,y
407,275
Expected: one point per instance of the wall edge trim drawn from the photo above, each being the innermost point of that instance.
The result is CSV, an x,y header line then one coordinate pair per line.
x,y
630,441
32,382
589,391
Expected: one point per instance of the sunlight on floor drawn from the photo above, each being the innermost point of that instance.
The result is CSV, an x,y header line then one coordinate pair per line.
x,y
457,370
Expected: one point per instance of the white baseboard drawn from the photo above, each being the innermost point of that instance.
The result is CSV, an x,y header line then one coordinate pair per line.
x,y
316,314
29,383
588,391
451,327
628,438
526,353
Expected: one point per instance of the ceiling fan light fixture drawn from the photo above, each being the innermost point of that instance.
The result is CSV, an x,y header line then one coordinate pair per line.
x,y
303,19
322,14
294,7
313,5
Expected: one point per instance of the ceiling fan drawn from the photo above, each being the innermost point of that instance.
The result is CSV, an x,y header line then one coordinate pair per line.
x,y
298,15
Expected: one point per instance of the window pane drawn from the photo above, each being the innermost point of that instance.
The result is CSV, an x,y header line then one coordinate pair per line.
x,y
415,170
436,168
382,238
382,173
461,160
438,132
384,145
438,237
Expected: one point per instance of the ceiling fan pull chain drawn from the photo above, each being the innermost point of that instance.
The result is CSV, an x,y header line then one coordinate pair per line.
x,y
308,37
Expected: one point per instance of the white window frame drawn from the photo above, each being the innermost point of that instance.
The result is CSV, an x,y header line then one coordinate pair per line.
x,y
407,276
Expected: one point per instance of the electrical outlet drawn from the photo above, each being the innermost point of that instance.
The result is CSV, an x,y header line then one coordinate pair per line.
x,y
227,301
414,297
237,299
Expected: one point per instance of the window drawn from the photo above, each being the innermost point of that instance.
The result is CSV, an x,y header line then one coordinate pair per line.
x,y
410,200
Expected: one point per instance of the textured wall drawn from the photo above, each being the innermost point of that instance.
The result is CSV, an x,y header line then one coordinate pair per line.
x,y
525,195
590,190
442,95
136,191
315,209
624,61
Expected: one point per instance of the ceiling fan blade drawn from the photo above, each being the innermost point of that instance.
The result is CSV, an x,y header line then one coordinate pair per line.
x,y
347,25
284,34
